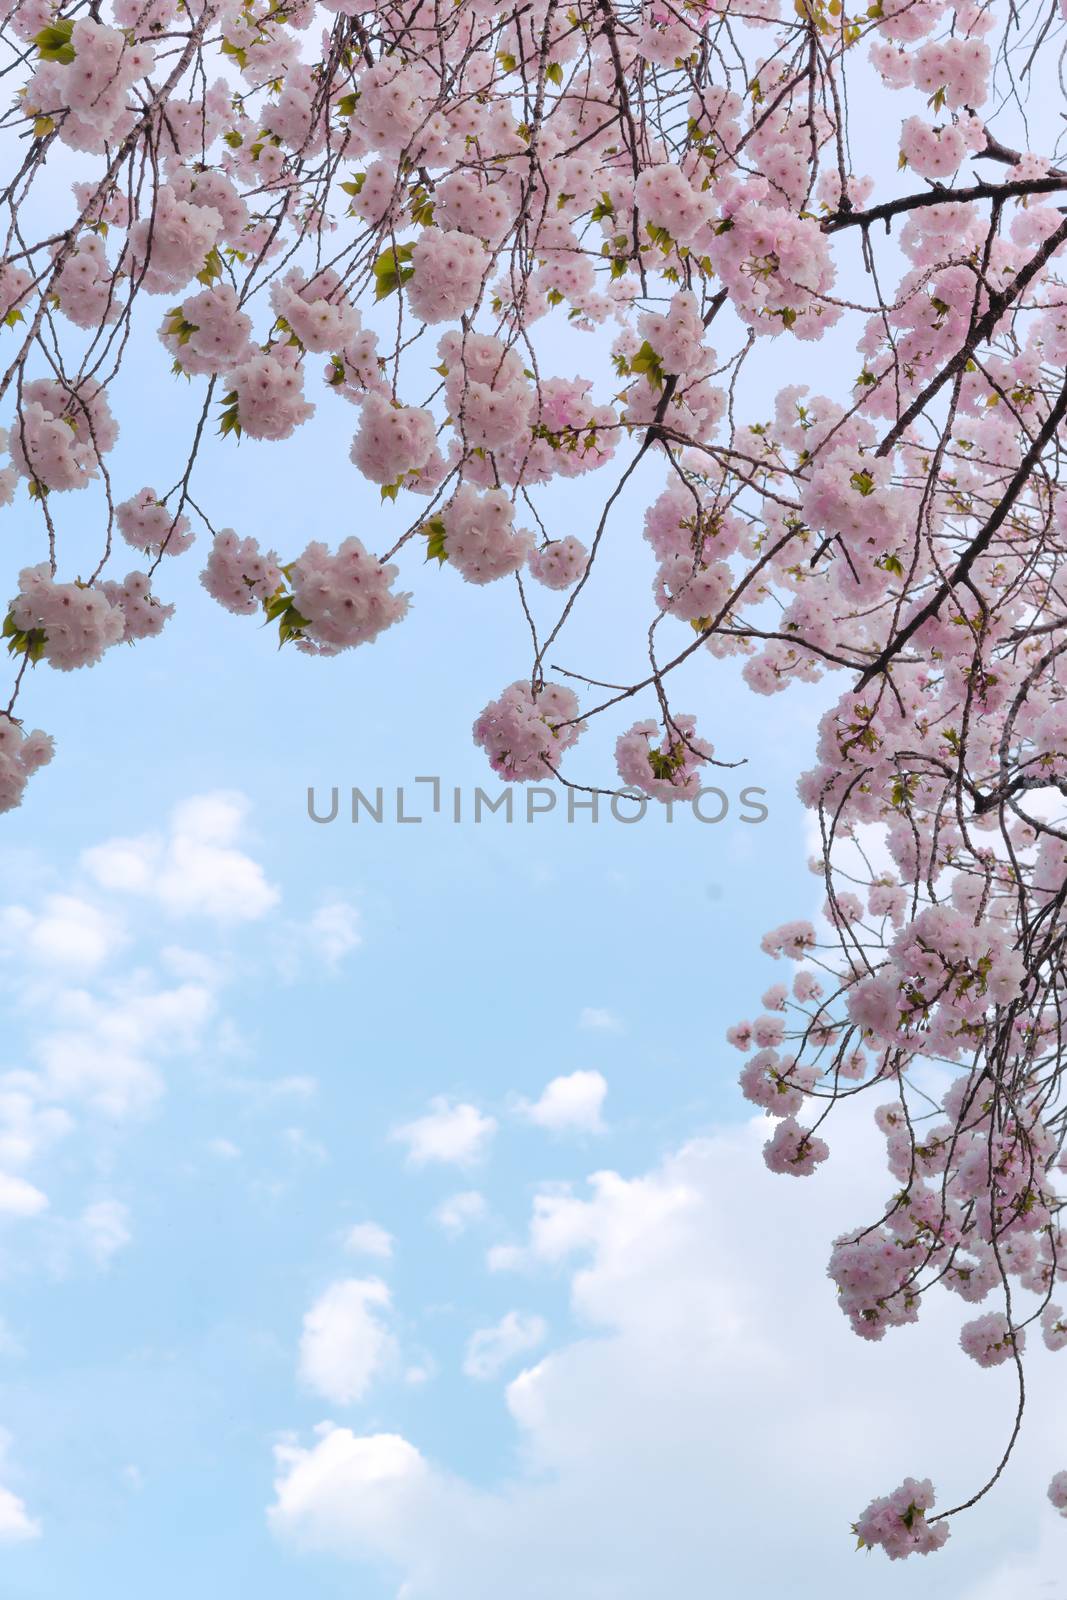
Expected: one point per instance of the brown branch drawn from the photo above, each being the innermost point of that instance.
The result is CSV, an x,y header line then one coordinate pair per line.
x,y
978,544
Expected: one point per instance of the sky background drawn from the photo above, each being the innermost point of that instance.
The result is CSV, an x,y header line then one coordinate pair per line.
x,y
380,1215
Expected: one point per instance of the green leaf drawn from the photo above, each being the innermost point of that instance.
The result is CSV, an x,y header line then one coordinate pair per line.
x,y
390,271
211,269
53,42
229,421
23,641
435,540
281,608
237,52
421,206
291,625
659,236
665,763
178,327
648,363
554,72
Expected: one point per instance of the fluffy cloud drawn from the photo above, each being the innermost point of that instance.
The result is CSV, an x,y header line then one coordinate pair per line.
x,y
570,1104
195,868
67,932
456,1214
19,1198
376,1481
16,1524
27,1129
711,1424
103,1049
345,1344
96,1037
490,1350
369,1239
452,1133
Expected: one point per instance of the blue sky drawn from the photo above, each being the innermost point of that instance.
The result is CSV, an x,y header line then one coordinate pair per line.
x,y
219,1031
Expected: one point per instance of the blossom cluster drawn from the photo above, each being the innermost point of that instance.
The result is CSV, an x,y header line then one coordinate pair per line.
x,y
898,1522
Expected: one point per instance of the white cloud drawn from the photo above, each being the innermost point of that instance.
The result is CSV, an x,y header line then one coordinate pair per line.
x,y
95,1236
505,1257
371,1481
97,1042
195,869
304,1147
334,931
369,1239
103,1049
67,933
27,1129
16,1524
265,1092
600,1021
456,1214
104,1230
19,1198
224,1149
490,1350
449,1132
117,1081
345,1344
713,1424
198,966
570,1104
321,944
297,1086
